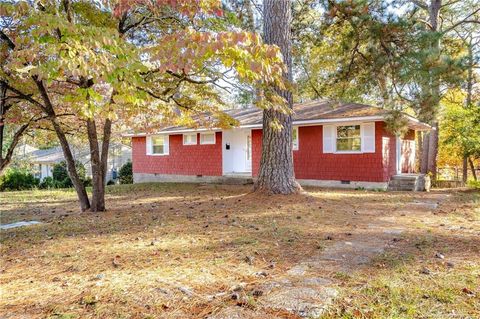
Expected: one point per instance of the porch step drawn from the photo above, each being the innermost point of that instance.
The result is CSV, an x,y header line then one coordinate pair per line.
x,y
409,182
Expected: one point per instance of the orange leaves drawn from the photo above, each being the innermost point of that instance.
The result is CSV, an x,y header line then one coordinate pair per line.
x,y
189,50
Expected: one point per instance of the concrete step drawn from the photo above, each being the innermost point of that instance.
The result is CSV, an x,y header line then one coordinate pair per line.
x,y
406,182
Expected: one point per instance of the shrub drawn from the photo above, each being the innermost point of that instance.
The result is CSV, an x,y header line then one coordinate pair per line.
x,y
125,174
47,182
474,184
61,178
110,182
17,179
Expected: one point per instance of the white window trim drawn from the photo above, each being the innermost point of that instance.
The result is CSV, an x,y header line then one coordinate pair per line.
x,y
296,147
208,143
166,145
336,137
189,134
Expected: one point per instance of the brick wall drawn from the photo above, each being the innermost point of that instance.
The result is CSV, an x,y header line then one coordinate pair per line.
x,y
183,159
311,163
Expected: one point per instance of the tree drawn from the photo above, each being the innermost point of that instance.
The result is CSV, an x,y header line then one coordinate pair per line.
x,y
125,175
469,34
126,63
442,18
404,59
276,173
461,128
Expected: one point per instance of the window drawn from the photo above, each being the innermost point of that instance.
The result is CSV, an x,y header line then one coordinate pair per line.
x,y
295,138
207,138
349,138
190,139
159,145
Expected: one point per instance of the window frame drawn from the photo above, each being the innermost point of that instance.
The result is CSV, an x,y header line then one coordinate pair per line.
x,y
166,147
359,137
296,146
189,134
208,143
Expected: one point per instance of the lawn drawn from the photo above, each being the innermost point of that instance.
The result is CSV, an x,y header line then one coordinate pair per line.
x,y
211,251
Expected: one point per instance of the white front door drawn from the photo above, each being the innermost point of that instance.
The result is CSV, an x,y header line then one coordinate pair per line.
x,y
237,151
248,153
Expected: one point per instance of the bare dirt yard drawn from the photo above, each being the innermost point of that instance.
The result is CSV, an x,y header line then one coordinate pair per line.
x,y
210,251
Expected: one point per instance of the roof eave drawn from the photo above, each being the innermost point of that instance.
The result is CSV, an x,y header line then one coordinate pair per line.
x,y
259,125
412,123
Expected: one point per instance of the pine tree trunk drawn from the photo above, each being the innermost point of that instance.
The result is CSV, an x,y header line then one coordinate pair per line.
x,y
424,158
276,175
433,151
418,152
434,16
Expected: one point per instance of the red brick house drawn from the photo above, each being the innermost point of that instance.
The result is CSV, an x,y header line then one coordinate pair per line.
x,y
345,145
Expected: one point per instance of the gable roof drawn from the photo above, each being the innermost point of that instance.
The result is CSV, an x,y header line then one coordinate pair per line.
x,y
313,112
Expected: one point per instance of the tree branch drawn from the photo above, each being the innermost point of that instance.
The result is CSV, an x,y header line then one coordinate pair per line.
x,y
5,38
463,21
23,96
420,4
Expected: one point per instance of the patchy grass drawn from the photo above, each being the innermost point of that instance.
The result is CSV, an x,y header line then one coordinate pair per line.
x,y
163,251
434,272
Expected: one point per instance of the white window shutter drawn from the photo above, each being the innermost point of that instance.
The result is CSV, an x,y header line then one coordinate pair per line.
x,y
149,145
166,144
328,139
368,137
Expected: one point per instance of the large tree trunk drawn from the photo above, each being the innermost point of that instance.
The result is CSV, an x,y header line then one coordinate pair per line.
x,y
99,162
431,152
424,155
418,152
67,153
276,175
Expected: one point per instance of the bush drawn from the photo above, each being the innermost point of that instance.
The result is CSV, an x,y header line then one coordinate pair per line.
x,y
61,178
47,182
15,179
474,184
125,174
110,182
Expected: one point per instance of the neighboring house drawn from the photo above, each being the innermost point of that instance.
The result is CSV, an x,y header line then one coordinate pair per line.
x,y
42,161
344,145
